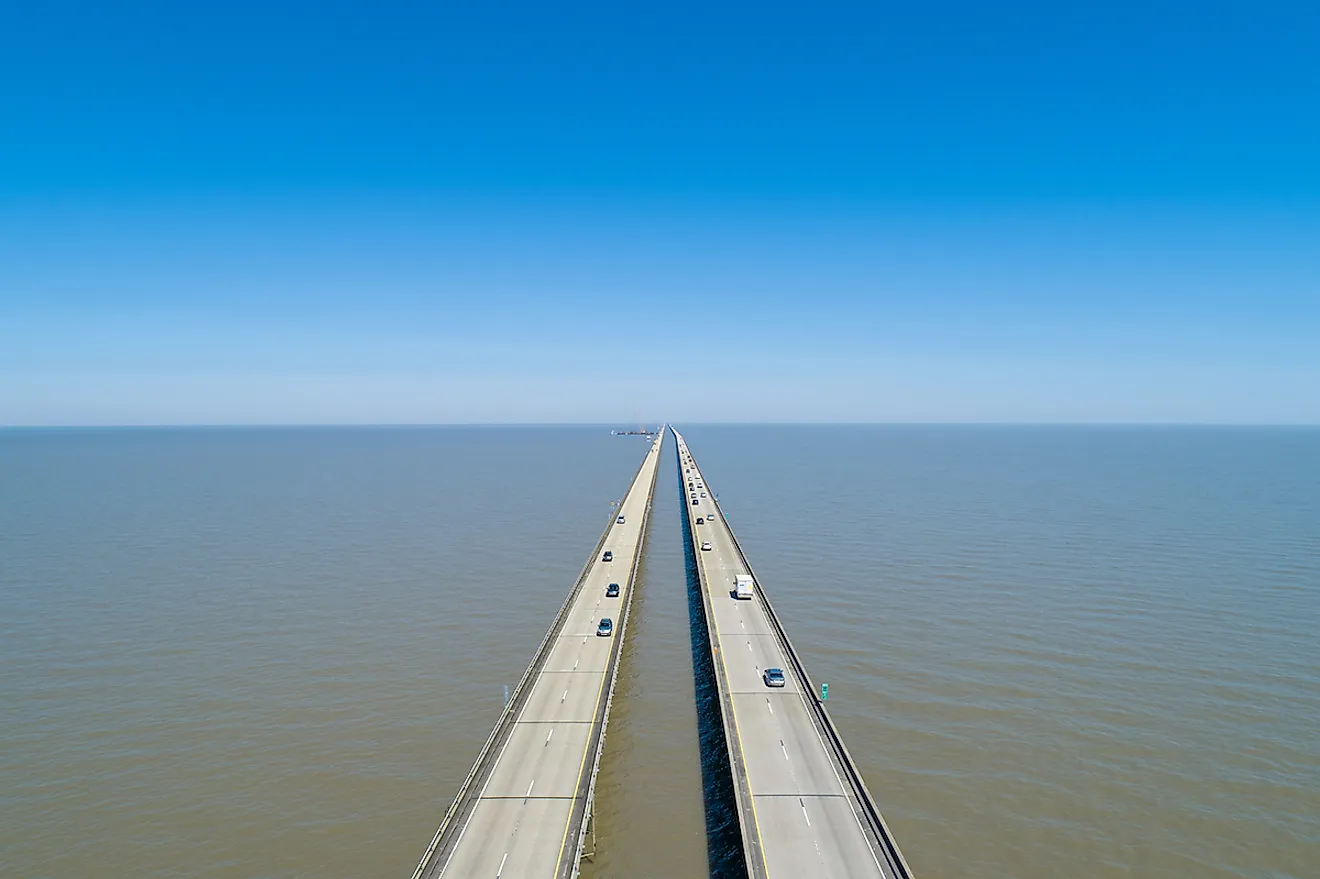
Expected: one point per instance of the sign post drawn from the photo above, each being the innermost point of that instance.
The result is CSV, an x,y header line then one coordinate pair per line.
x,y
824,692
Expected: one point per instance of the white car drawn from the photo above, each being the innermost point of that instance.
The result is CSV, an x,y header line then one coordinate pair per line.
x,y
705,547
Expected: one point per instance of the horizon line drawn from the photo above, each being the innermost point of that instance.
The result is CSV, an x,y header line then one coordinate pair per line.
x,y
259,425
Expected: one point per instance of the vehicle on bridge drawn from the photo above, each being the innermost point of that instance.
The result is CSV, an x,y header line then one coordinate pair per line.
x,y
606,627
773,677
607,557
612,590
705,546
742,586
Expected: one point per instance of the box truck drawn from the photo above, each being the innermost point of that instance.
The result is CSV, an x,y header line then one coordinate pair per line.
x,y
742,586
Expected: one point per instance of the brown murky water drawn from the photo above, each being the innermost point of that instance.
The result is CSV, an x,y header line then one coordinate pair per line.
x,y
233,653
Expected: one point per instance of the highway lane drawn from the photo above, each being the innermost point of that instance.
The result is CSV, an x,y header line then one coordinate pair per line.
x,y
799,817
522,811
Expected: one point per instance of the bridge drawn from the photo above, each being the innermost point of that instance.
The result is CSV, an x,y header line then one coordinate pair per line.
x,y
524,809
803,807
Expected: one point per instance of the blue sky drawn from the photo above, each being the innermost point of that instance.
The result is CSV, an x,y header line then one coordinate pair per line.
x,y
348,213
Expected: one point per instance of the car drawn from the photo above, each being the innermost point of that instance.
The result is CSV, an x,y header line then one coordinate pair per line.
x,y
620,520
612,590
703,494
701,521
773,677
695,502
705,547
606,627
607,557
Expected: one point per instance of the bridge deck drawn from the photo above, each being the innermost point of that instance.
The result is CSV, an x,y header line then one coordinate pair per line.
x,y
803,808
523,809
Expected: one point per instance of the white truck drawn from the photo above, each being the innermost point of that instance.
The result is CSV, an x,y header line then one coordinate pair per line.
x,y
742,586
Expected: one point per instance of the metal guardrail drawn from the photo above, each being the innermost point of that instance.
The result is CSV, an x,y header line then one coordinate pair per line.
x,y
896,862
464,799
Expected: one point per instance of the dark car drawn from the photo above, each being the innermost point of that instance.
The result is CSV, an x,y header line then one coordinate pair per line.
x,y
607,557
606,628
701,521
612,590
695,502
773,677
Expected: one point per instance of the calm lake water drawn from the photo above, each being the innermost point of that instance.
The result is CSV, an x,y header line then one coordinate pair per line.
x,y
1053,651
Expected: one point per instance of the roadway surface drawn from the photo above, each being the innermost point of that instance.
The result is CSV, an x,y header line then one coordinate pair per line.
x,y
802,806
523,810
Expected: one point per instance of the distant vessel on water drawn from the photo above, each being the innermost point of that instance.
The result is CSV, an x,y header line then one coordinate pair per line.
x,y
642,430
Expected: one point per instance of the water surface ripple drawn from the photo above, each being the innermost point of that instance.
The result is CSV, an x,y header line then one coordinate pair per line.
x,y
1053,651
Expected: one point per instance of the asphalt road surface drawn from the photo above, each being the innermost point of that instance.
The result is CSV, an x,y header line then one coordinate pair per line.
x,y
803,819
525,810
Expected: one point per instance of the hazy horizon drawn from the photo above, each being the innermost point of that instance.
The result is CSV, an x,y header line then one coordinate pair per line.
x,y
618,426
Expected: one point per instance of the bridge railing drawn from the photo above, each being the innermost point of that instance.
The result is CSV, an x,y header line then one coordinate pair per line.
x,y
615,653
468,790
897,864
742,798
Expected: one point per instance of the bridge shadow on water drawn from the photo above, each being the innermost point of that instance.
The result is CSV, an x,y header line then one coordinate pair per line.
x,y
723,836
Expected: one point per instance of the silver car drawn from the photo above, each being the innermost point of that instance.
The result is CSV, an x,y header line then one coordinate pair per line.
x,y
773,677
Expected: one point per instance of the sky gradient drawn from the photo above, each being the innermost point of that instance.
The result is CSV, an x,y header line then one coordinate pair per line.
x,y
353,213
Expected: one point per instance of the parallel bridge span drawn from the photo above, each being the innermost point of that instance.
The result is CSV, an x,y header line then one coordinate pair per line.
x,y
523,810
803,807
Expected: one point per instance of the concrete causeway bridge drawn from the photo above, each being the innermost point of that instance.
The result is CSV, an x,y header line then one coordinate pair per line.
x,y
523,810
802,805
803,808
